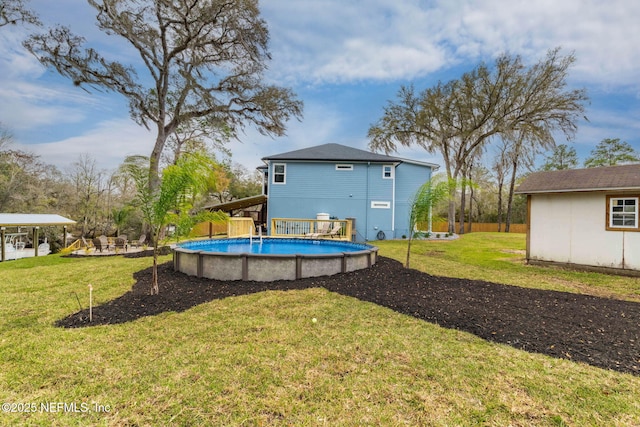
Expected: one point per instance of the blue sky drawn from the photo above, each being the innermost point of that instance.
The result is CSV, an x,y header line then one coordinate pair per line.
x,y
345,60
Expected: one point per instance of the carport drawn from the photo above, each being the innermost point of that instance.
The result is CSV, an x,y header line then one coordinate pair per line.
x,y
34,221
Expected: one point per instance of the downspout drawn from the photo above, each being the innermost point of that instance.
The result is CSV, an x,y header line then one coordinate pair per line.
x,y
366,207
393,201
430,221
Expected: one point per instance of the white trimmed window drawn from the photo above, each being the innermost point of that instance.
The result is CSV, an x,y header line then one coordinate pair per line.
x,y
279,173
344,167
622,213
388,172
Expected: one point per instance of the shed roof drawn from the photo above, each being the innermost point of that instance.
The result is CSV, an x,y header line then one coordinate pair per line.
x,y
29,220
624,177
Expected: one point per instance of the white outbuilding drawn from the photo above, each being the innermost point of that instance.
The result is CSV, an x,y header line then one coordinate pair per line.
x,y
585,218
13,240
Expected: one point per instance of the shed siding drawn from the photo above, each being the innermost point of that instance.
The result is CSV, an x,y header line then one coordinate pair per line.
x,y
571,228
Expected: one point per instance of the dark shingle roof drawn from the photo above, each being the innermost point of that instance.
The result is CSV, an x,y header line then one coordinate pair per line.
x,y
333,152
625,177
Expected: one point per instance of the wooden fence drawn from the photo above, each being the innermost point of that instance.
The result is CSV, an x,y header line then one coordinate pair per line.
x,y
441,227
235,227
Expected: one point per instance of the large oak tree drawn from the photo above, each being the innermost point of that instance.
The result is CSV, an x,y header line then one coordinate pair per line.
x,y
200,60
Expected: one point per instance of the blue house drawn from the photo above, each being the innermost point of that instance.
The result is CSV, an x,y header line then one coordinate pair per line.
x,y
374,190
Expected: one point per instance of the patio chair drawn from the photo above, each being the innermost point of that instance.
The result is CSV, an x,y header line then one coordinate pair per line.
x,y
105,241
335,231
138,243
321,228
101,243
121,243
97,243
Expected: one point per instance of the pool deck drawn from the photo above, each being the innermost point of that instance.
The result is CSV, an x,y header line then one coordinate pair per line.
x,y
109,252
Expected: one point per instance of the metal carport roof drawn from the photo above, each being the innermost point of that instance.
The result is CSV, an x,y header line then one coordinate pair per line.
x,y
32,220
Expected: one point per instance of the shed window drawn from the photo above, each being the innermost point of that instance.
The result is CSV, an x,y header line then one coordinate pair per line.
x,y
279,173
622,213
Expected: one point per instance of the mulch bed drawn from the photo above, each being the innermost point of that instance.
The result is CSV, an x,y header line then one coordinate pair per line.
x,y
598,331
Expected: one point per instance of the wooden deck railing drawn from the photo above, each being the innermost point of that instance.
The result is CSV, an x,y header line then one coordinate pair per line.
x,y
313,228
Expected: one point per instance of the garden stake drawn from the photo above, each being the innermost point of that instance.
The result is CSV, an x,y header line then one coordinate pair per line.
x,y
78,298
90,303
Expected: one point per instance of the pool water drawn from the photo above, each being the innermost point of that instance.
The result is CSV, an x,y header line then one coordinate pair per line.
x,y
271,246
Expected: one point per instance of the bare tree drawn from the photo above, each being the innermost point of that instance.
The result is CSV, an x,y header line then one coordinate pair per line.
x,y
201,59
500,167
13,12
460,117
520,152
89,184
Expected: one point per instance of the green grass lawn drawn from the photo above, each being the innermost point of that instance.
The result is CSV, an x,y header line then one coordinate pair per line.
x,y
259,359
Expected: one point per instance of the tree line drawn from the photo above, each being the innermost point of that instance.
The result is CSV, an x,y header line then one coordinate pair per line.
x,y
488,126
100,200
198,80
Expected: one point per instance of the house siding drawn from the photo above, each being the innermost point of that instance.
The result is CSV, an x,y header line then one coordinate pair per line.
x,y
317,187
571,228
411,177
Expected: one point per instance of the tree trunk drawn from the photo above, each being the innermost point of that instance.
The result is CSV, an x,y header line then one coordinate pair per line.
x,y
409,248
512,185
155,289
500,185
452,214
463,203
470,207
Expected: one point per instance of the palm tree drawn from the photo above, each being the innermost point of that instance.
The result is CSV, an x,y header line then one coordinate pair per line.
x,y
428,195
181,184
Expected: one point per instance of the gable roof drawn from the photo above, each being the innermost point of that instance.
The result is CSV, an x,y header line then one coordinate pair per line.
x,y
333,152
625,177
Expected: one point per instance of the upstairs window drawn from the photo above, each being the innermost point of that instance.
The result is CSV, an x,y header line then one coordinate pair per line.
x,y
387,171
622,213
279,173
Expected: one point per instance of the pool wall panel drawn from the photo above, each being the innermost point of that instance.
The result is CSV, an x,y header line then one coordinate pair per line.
x,y
222,267
320,266
268,269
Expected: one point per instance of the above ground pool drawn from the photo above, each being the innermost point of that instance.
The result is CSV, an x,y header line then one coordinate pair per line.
x,y
270,259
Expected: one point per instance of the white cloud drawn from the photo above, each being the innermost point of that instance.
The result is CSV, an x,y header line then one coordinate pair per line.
x,y
319,126
335,41
108,143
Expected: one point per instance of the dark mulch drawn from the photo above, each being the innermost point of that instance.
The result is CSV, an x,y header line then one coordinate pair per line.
x,y
598,331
